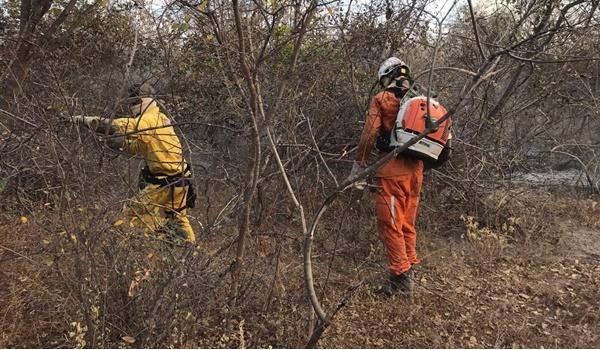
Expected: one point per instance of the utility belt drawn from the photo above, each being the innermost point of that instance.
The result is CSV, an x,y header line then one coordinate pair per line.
x,y
183,179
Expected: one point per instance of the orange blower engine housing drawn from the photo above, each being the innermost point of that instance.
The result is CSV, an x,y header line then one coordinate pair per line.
x,y
411,121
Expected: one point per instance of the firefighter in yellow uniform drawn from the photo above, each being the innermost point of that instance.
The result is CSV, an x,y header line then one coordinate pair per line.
x,y
166,189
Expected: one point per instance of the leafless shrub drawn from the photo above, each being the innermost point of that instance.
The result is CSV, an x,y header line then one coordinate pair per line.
x,y
268,97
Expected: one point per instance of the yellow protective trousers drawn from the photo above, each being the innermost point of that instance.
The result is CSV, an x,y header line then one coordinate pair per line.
x,y
162,209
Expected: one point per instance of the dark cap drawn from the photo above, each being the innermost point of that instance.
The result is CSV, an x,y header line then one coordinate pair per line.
x,y
139,90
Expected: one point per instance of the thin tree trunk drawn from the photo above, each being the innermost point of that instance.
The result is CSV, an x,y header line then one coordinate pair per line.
x,y
252,171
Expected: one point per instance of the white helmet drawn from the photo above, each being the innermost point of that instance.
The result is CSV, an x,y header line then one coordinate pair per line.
x,y
391,69
389,65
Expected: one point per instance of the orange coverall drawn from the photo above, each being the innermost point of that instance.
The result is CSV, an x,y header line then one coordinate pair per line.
x,y
400,182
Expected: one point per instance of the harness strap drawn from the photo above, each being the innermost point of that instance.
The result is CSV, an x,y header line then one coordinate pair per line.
x,y
162,180
182,179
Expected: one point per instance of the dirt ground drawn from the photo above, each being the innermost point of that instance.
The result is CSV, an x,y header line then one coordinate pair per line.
x,y
542,291
532,282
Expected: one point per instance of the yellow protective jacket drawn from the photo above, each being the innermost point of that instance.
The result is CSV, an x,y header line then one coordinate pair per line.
x,y
150,135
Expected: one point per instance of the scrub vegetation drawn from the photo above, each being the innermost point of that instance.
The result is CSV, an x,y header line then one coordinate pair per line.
x,y
268,97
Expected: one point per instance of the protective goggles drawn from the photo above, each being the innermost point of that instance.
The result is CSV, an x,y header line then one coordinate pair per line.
x,y
400,71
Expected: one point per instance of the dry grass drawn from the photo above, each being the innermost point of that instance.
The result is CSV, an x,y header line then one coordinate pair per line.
x,y
480,285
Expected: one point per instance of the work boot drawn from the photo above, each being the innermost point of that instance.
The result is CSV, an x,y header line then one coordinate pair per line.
x,y
173,232
401,284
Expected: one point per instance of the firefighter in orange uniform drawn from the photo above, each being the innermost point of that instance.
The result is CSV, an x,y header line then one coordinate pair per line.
x,y
399,180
